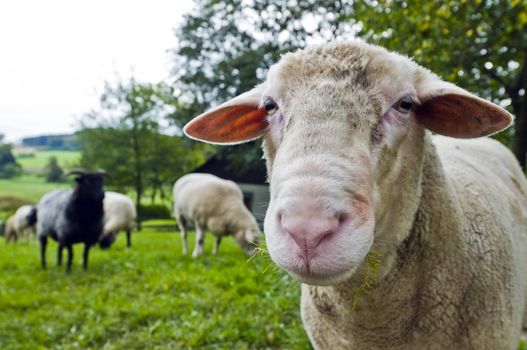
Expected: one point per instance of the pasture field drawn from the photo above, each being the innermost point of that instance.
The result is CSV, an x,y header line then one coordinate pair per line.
x,y
147,297
39,160
28,187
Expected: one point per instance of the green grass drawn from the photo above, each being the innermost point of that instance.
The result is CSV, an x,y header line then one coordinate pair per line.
x,y
147,297
37,163
28,187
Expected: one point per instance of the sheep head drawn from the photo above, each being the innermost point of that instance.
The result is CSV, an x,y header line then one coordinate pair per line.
x,y
343,128
89,183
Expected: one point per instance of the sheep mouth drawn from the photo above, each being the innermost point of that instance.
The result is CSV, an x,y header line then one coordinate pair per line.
x,y
327,278
315,271
106,243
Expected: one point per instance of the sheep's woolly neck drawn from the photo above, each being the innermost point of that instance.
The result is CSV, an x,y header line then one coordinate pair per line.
x,y
436,291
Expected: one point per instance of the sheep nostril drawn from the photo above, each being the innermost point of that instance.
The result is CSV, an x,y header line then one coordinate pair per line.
x,y
343,219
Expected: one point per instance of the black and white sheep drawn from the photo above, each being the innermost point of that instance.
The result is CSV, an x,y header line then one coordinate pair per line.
x,y
72,216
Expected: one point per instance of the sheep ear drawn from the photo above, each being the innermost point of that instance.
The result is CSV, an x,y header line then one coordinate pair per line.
x,y
236,121
451,111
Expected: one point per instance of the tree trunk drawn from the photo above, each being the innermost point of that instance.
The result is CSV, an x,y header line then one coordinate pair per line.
x,y
519,104
138,174
519,142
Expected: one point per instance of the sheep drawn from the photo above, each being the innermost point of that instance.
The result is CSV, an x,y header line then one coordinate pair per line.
x,y
9,230
72,216
25,221
211,203
119,214
355,177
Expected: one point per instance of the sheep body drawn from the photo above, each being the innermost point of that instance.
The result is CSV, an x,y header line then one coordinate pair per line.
x,y
353,172
71,216
10,233
210,203
119,214
466,253
23,226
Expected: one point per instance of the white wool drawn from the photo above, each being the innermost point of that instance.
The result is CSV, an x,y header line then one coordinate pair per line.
x,y
209,203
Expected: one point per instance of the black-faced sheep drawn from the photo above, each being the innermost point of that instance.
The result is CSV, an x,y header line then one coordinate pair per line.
x,y
210,203
354,172
72,216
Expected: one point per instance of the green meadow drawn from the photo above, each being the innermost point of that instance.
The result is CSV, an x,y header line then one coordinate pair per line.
x,y
147,297
36,163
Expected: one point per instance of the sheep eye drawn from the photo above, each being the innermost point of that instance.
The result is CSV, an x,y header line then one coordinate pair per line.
x,y
404,105
270,106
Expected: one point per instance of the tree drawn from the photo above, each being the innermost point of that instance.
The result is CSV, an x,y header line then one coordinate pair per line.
x,y
8,166
53,171
480,45
125,138
226,47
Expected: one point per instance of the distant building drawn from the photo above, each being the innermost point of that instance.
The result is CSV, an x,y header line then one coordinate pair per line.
x,y
252,183
52,142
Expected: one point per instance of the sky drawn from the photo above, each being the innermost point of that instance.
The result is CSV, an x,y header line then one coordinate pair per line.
x,y
56,54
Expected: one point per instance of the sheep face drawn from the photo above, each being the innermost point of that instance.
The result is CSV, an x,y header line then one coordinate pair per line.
x,y
343,128
248,239
90,186
107,240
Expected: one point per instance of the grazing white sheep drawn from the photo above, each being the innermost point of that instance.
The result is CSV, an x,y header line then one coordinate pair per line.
x,y
119,214
10,234
353,171
214,204
24,224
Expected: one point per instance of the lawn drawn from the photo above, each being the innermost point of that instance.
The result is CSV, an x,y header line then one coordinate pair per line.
x,y
28,187
37,163
147,297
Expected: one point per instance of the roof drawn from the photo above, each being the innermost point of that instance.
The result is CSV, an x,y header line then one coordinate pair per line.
x,y
222,168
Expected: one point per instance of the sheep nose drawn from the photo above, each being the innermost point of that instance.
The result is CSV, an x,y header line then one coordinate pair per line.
x,y
309,231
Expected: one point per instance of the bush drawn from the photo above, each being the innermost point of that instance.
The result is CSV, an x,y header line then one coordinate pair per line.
x,y
54,172
8,166
10,170
154,211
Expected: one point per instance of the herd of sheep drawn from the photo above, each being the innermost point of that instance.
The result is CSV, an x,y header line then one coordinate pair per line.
x,y
354,170
88,214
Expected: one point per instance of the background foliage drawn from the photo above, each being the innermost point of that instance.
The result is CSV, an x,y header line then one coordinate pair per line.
x,y
226,47
131,138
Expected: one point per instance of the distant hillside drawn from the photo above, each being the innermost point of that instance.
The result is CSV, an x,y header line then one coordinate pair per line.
x,y
52,142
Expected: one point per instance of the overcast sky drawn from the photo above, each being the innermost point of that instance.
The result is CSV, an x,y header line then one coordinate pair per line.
x,y
56,54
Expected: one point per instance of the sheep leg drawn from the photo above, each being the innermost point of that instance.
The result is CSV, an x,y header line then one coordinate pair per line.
x,y
129,238
183,231
43,244
70,257
217,245
200,240
85,258
59,255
